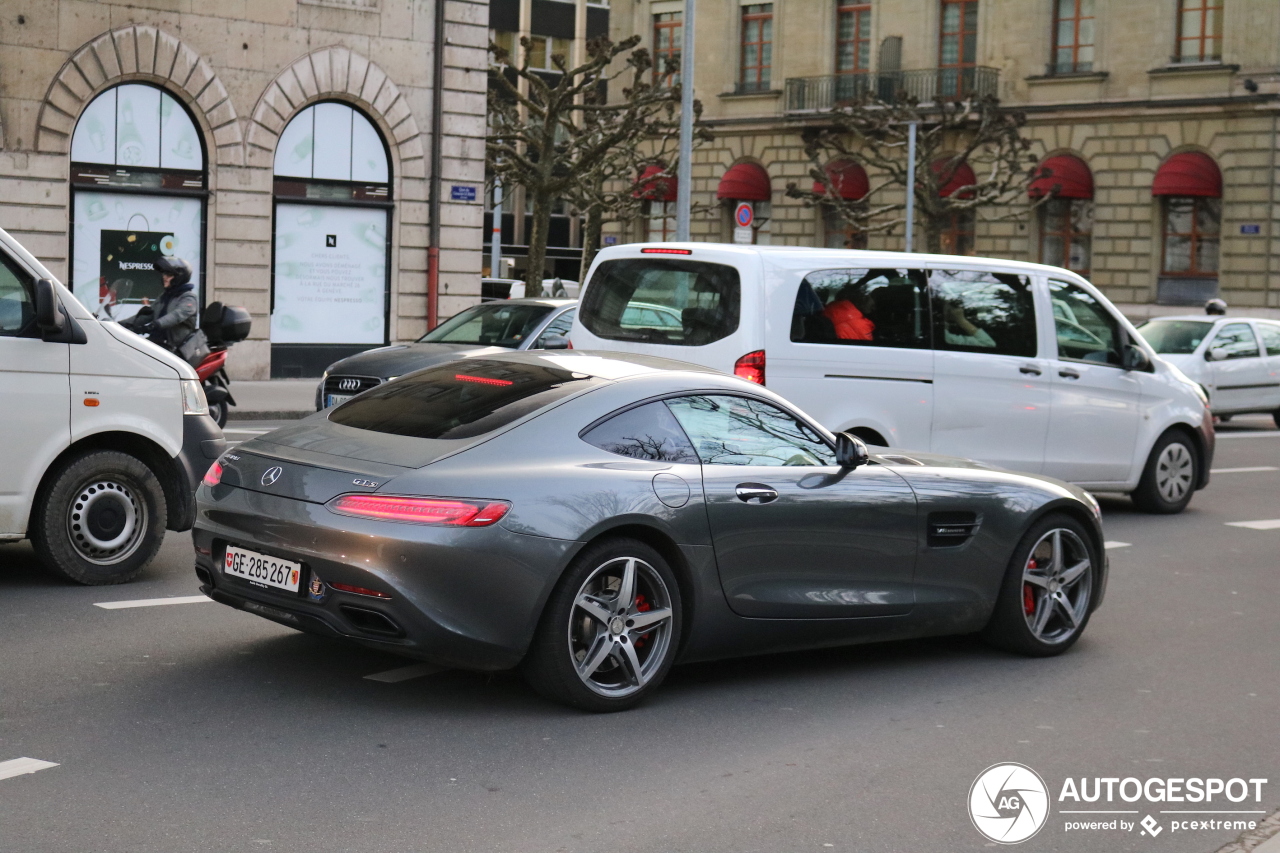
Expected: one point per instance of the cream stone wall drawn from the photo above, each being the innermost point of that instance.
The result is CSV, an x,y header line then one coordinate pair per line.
x,y
1123,120
244,68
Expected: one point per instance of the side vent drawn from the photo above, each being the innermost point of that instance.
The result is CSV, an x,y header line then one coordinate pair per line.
x,y
949,529
899,459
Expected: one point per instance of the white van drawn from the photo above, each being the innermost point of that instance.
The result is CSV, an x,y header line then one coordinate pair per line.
x,y
1019,365
104,436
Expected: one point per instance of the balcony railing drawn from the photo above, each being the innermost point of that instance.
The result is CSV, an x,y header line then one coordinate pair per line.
x,y
809,94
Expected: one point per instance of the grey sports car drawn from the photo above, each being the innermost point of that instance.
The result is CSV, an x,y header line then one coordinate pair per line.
x,y
593,518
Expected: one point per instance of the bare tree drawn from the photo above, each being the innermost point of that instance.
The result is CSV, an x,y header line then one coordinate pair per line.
x,y
561,138
975,132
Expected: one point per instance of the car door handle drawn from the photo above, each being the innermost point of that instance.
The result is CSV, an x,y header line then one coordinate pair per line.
x,y
1029,370
1068,373
756,493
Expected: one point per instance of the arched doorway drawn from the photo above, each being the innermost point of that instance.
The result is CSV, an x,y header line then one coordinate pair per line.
x,y
139,191
331,286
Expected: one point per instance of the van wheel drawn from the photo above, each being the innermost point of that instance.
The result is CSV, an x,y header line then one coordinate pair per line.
x,y
1170,478
219,411
1275,416
100,519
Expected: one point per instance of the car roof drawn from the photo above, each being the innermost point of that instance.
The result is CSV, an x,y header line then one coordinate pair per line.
x,y
535,300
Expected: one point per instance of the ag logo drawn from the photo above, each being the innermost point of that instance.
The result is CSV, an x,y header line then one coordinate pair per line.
x,y
1008,803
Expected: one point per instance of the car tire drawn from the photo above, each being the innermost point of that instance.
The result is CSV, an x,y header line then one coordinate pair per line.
x,y
591,649
1170,476
100,519
1275,417
219,411
1048,591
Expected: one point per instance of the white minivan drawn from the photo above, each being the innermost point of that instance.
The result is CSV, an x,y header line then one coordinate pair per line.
x,y
1019,365
104,436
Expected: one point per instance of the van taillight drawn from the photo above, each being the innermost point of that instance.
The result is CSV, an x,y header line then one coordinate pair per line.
x,y
751,367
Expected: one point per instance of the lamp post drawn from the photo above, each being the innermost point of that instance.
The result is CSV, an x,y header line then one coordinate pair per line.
x,y
911,183
684,169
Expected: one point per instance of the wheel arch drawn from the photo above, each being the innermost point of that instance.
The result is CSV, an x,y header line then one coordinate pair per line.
x,y
1073,509
1197,441
166,469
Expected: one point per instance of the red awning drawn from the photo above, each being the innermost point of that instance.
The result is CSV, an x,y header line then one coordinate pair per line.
x,y
1067,172
1188,173
655,189
847,178
745,182
963,176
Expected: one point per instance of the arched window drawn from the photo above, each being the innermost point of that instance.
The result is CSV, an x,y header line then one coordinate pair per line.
x,y
747,183
1189,185
330,276
138,192
1066,219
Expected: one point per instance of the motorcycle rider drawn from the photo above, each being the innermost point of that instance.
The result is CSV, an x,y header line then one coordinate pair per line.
x,y
176,316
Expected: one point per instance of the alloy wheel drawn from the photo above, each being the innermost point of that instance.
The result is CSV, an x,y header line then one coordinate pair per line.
x,y
620,627
106,522
1057,583
1174,470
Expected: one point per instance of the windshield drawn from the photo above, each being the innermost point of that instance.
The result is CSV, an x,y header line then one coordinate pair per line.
x,y
662,301
1175,337
461,399
494,324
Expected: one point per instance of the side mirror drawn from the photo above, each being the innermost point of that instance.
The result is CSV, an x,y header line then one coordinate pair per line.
x,y
555,342
1215,354
851,451
1135,358
48,310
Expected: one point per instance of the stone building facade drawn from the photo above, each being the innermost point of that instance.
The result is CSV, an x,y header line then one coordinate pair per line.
x,y
1135,91
176,114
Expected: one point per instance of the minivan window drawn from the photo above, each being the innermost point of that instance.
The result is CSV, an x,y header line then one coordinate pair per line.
x,y
645,432
662,301
983,312
728,430
17,312
1175,337
461,399
866,307
492,324
1086,331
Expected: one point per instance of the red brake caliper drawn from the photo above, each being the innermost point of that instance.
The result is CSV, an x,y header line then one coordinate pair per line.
x,y
1028,596
642,605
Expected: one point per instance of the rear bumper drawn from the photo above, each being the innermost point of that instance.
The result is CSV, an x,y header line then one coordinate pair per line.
x,y
461,597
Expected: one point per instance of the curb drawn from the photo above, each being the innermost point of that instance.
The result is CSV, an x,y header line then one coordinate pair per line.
x,y
292,415
1265,838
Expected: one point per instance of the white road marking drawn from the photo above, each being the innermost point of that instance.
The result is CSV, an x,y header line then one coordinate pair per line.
x,y
1260,434
1243,470
1112,545
22,766
152,602
404,673
1265,524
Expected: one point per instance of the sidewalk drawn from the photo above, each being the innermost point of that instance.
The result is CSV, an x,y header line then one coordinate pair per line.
x,y
274,399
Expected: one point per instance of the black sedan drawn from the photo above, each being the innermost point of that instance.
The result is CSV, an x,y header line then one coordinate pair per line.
x,y
511,324
592,518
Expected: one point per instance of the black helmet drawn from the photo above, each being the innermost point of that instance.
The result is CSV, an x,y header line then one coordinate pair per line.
x,y
1215,306
176,267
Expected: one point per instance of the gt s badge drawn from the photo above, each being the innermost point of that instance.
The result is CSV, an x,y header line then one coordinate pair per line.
x,y
373,484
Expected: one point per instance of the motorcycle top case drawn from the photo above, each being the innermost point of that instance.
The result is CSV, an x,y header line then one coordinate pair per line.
x,y
235,324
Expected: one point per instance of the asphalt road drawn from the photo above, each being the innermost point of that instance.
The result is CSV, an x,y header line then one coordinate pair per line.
x,y
194,727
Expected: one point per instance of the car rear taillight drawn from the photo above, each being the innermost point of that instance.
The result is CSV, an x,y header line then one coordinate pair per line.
x,y
751,367
665,251
213,476
446,511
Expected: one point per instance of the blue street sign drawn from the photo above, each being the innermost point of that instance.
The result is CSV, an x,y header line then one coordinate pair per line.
x,y
462,193
1250,229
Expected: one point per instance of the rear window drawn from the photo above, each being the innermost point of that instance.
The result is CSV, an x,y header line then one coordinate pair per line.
x,y
461,399
1175,337
662,301
493,324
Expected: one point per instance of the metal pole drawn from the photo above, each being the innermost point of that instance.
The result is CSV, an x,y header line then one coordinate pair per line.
x,y
684,170
437,159
911,184
495,250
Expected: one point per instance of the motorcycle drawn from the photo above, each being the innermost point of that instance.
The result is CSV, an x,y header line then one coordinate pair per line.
x,y
222,327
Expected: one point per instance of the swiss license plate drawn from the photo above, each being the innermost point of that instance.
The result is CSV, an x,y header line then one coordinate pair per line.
x,y
337,400
261,569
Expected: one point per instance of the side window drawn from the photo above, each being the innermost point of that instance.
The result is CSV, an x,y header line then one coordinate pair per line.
x,y
1270,337
1237,339
867,307
1086,330
729,430
559,326
976,311
17,302
645,432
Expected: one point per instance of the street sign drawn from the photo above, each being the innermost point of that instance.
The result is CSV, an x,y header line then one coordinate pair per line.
x,y
457,193
1251,229
744,214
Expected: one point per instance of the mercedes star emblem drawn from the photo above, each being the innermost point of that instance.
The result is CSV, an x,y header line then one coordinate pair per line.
x,y
271,475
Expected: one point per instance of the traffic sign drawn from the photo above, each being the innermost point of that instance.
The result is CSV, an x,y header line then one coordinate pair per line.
x,y
744,214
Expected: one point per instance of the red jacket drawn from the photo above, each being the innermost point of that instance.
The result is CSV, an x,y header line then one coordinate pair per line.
x,y
850,323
